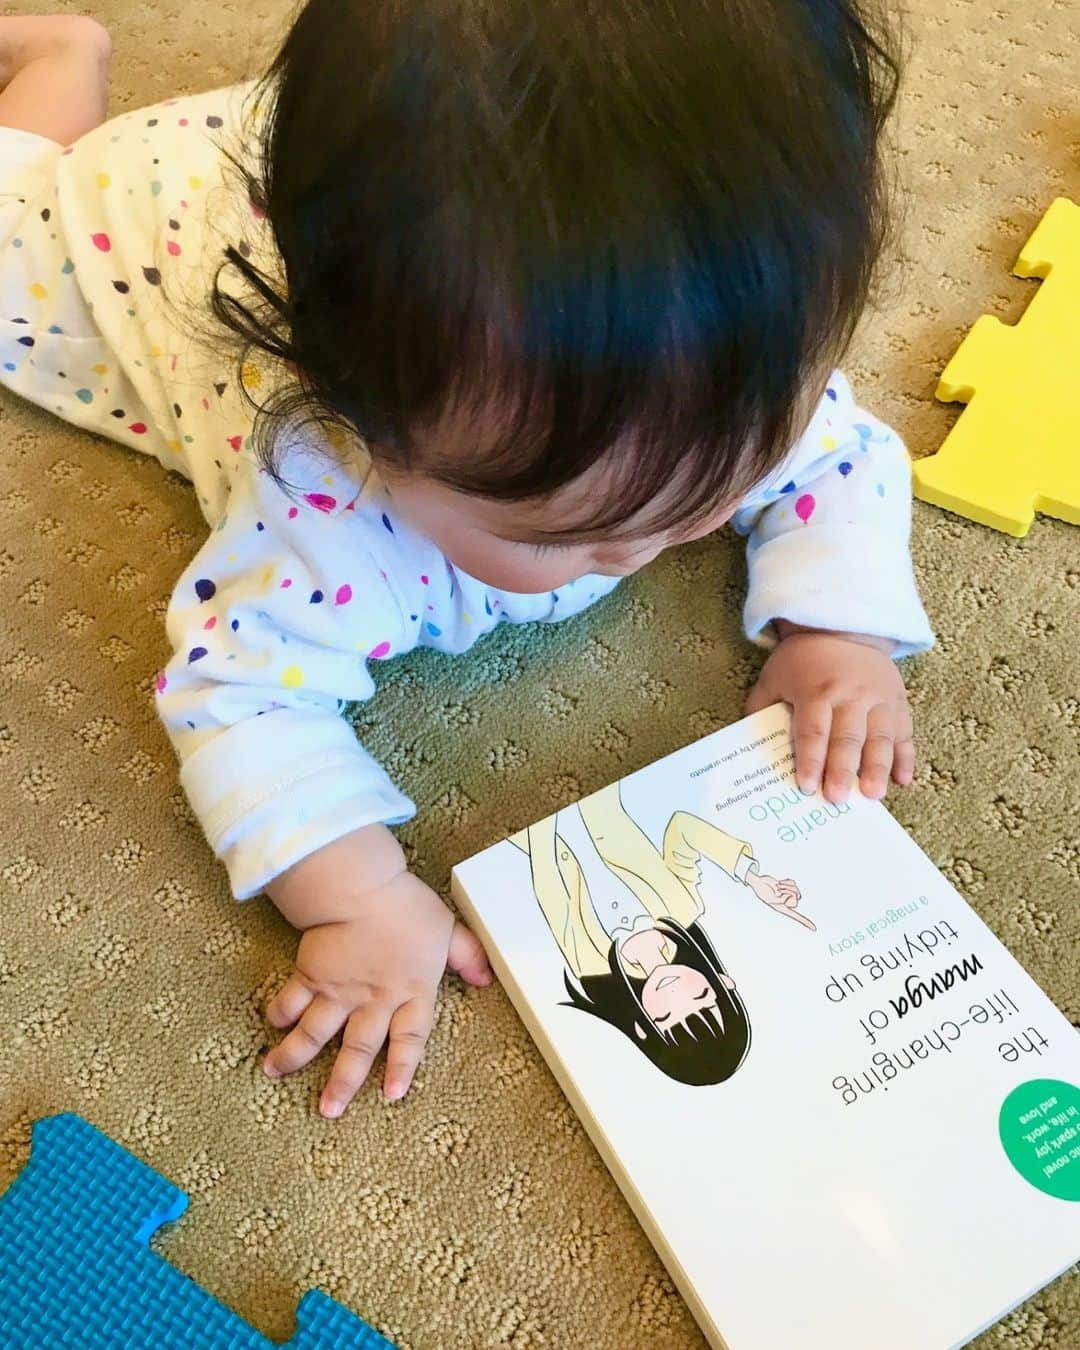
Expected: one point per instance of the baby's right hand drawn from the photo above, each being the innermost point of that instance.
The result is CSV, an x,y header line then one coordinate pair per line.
x,y
368,964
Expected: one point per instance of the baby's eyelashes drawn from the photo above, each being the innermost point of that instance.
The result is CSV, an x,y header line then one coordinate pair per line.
x,y
543,549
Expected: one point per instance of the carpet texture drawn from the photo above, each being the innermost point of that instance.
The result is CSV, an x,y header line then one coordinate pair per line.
x,y
476,1212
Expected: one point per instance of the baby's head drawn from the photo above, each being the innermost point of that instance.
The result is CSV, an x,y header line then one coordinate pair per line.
x,y
573,270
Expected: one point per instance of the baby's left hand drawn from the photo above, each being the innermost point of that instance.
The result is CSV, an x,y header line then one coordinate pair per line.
x,y
851,720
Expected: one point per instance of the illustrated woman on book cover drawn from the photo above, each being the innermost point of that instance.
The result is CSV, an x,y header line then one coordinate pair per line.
x,y
626,916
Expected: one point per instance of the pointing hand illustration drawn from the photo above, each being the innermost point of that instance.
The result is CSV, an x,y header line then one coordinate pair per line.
x,y
783,896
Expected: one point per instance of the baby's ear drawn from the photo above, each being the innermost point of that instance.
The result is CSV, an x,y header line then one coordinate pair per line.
x,y
639,1031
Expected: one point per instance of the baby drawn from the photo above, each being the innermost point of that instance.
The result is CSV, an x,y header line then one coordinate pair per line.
x,y
464,311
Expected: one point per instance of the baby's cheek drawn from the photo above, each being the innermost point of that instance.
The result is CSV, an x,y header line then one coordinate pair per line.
x,y
624,561
508,568
715,522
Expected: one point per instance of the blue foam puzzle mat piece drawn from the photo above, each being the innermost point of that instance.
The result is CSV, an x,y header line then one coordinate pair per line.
x,y
76,1268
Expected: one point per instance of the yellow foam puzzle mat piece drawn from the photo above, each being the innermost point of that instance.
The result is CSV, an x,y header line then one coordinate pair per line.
x,y
1015,449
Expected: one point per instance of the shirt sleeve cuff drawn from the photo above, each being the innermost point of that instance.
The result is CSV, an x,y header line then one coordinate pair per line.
x,y
817,579
744,866
272,789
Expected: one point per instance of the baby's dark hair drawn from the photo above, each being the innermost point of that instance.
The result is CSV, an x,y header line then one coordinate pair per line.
x,y
562,227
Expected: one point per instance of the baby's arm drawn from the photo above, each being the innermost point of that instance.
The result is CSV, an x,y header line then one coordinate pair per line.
x,y
832,589
828,533
54,74
272,624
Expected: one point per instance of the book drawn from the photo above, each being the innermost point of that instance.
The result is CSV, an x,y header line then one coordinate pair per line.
x,y
841,1110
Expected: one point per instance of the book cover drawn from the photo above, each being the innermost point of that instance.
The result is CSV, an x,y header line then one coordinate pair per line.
x,y
843,1113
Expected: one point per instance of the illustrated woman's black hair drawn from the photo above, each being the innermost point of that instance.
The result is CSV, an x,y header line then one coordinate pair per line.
x,y
708,1047
517,234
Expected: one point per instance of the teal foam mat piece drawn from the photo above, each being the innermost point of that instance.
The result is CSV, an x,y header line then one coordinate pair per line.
x,y
76,1268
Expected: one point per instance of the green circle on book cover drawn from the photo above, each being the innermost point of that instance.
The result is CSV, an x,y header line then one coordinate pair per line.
x,y
1039,1126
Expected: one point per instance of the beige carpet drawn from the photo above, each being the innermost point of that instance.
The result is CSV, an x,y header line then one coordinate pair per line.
x,y
476,1213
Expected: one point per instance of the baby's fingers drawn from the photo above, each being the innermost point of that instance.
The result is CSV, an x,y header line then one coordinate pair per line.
x,y
467,956
846,739
409,1030
877,753
904,762
903,767
320,1021
289,1002
365,1032
810,723
760,696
